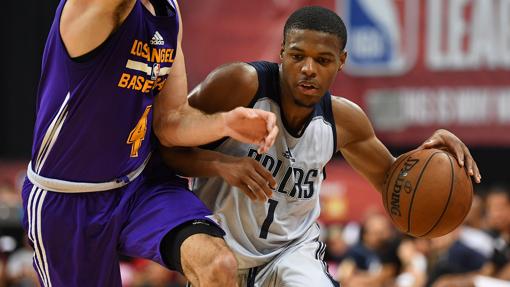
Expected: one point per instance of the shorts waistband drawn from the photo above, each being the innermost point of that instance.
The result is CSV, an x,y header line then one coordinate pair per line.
x,y
64,186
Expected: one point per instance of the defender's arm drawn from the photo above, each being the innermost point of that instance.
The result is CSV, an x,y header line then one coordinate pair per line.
x,y
176,123
228,87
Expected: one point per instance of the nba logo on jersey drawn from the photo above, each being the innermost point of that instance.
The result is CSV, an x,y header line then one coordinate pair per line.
x,y
156,68
382,35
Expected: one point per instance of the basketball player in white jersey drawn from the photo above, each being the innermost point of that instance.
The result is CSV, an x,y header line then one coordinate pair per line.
x,y
268,203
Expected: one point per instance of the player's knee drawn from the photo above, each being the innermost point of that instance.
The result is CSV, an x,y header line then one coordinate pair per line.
x,y
224,264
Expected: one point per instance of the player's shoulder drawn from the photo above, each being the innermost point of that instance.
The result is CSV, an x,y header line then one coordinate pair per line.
x,y
345,110
351,122
227,87
240,72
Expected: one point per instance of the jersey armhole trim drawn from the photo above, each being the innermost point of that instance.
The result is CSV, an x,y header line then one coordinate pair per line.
x,y
328,111
257,96
90,55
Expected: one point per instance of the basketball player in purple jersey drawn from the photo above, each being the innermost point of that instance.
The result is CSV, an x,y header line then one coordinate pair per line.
x,y
112,70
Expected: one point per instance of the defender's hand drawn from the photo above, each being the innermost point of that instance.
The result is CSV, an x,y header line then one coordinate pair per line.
x,y
248,175
252,126
444,139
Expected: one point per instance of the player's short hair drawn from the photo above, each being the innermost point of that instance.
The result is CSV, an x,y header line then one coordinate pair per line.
x,y
317,19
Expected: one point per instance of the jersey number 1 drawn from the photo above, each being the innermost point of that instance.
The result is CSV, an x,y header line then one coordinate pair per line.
x,y
137,135
269,218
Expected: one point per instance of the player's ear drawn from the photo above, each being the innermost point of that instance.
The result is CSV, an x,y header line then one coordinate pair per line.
x,y
343,58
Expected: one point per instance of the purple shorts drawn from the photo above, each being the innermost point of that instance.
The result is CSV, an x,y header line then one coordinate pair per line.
x,y
78,237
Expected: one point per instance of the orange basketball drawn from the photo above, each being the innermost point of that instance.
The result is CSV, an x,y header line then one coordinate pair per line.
x,y
427,194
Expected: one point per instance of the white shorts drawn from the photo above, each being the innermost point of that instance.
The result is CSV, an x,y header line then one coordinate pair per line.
x,y
300,265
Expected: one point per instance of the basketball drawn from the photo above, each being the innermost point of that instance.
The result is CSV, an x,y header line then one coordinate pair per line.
x,y
427,193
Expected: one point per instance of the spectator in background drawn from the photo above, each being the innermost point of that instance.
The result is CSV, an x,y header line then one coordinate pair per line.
x,y
373,261
498,222
8,195
496,261
14,254
471,247
413,272
19,269
475,246
336,247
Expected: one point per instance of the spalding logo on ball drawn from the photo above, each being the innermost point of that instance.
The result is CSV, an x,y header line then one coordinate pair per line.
x,y
401,181
427,194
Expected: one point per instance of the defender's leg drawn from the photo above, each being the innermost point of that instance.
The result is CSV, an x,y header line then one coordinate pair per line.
x,y
170,225
204,257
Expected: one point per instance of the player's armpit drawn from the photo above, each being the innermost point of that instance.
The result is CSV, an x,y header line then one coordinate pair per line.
x,y
86,24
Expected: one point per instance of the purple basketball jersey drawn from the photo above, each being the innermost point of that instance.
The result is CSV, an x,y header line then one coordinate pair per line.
x,y
94,117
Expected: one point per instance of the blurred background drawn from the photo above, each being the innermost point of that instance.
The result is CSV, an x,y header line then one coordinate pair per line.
x,y
414,66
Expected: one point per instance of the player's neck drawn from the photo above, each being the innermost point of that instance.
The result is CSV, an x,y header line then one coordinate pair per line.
x,y
295,115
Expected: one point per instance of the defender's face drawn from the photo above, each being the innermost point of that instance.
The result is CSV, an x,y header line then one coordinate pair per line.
x,y
310,62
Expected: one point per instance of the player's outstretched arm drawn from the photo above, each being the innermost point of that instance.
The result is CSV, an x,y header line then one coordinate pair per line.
x,y
176,123
243,172
367,155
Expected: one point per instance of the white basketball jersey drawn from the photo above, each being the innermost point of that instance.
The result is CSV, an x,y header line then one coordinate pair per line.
x,y
257,231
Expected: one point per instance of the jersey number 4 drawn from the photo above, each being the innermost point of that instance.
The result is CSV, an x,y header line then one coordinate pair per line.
x,y
137,135
269,218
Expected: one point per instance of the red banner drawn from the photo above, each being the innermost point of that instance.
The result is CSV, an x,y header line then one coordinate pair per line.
x,y
414,65
347,196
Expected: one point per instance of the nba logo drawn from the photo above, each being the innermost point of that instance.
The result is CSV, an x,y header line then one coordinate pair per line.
x,y
382,36
156,68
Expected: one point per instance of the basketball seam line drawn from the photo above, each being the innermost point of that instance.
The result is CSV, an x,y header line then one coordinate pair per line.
x,y
449,197
416,188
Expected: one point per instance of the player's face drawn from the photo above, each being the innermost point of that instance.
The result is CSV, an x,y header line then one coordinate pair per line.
x,y
310,62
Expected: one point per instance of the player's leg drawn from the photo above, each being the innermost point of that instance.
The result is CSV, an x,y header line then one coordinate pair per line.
x,y
69,232
207,261
256,276
305,267
301,265
170,225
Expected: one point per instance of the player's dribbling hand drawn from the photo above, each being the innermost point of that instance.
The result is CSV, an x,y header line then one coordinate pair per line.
x,y
252,126
444,139
250,176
